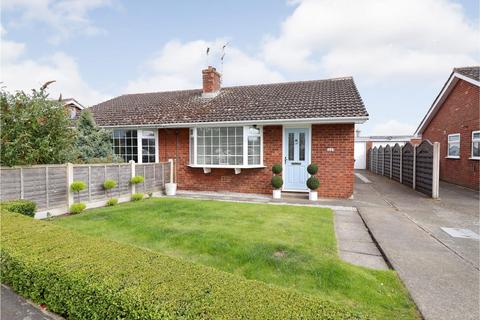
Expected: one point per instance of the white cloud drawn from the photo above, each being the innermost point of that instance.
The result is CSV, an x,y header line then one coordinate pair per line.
x,y
374,39
65,17
393,127
178,66
19,73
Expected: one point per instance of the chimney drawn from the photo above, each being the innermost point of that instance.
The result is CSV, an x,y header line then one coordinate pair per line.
x,y
211,82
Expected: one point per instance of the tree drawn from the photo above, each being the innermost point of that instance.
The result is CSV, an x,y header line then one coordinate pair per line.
x,y
93,144
34,129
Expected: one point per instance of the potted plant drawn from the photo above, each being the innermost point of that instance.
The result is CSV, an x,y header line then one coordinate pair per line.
x,y
277,181
77,186
313,183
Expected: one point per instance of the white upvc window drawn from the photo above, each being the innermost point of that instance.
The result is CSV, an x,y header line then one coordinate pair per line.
x,y
226,147
475,144
137,145
453,146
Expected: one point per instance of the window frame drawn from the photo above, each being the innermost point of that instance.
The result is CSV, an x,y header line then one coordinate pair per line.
x,y
456,142
193,134
473,141
139,138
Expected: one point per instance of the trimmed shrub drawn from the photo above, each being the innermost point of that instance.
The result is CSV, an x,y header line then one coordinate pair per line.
x,y
277,182
84,277
313,183
109,184
78,186
137,196
277,168
76,208
137,179
312,168
111,202
25,207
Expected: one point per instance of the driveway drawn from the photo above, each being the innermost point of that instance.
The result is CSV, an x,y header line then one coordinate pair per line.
x,y
440,271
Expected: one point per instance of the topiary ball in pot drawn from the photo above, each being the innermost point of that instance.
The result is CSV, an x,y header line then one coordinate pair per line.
x,y
109,184
313,183
277,182
277,168
312,169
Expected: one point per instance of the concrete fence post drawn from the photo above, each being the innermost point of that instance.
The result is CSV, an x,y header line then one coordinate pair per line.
x,y
170,161
70,199
132,174
436,170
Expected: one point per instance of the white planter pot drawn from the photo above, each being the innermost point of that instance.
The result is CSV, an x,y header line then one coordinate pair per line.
x,y
171,189
313,195
277,194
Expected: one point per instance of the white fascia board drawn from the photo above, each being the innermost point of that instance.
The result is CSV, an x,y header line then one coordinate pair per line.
x,y
447,88
338,120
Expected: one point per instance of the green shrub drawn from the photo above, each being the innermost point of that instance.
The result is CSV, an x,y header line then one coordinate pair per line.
x,y
83,277
313,183
136,180
312,168
109,184
277,182
137,196
277,168
25,207
111,202
78,186
77,207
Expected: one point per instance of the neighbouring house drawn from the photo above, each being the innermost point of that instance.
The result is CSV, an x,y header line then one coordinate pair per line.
x,y
227,139
365,143
453,120
72,106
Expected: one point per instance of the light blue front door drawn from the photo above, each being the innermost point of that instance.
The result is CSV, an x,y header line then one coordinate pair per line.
x,y
296,151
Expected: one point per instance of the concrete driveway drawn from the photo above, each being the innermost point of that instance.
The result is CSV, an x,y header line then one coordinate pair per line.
x,y
440,271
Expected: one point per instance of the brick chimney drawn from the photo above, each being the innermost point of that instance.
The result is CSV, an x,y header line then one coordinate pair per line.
x,y
211,82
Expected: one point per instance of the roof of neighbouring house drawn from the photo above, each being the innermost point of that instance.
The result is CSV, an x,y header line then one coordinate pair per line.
x,y
319,99
468,74
471,72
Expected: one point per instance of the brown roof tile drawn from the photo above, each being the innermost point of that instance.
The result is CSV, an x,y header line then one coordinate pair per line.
x,y
293,100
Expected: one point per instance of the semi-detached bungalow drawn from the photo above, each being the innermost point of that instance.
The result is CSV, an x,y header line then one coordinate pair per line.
x,y
227,139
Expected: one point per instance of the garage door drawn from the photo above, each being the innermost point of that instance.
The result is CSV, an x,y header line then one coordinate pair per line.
x,y
360,155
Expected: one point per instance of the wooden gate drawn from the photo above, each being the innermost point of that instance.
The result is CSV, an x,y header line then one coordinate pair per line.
x,y
380,161
397,163
424,167
374,160
387,161
408,165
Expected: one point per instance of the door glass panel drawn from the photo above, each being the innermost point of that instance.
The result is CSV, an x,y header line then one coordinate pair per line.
x,y
302,146
291,146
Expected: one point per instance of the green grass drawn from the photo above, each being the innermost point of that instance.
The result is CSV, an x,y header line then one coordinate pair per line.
x,y
286,246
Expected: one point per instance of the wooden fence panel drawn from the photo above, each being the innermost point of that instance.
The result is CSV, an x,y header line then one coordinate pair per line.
x,y
387,165
424,167
380,160
82,173
10,186
57,187
396,162
408,154
374,159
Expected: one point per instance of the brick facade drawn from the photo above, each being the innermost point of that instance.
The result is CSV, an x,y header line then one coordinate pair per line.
x,y
335,168
459,113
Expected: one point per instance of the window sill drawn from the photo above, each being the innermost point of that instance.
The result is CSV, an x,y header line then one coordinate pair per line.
x,y
452,157
474,158
237,168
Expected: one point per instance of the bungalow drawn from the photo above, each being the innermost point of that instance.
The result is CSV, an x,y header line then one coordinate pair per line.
x,y
454,120
227,139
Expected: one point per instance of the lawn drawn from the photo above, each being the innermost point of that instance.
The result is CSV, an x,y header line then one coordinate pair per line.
x,y
287,246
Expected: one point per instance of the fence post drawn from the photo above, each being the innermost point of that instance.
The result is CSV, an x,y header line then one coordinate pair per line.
x,y
132,174
70,199
414,166
436,170
170,161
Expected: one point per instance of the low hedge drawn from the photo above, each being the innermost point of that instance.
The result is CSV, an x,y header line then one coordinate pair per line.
x,y
82,277
25,207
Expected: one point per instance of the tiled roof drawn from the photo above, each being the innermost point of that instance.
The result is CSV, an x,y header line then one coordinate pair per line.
x,y
293,100
471,72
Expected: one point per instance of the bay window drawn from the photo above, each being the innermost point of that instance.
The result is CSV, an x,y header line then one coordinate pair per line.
x,y
239,146
137,145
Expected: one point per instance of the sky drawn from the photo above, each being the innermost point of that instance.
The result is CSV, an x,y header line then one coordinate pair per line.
x,y
399,53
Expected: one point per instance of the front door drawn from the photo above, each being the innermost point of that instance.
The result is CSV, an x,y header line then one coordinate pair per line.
x,y
296,146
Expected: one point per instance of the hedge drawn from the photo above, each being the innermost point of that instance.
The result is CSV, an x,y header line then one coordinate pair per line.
x,y
25,207
83,277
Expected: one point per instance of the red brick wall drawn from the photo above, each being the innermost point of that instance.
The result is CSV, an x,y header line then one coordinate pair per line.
x,y
335,169
459,114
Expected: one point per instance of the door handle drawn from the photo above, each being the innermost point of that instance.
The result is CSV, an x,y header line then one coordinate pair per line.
x,y
285,160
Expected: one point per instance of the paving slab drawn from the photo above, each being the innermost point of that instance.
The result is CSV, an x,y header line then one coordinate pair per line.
x,y
15,307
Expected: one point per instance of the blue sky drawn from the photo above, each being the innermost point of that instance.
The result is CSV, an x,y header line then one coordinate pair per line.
x,y
399,52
